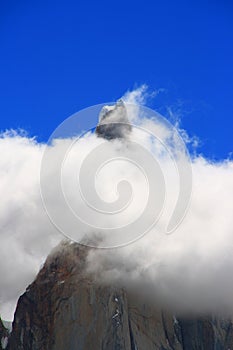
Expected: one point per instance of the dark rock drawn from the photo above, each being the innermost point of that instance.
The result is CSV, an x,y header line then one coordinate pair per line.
x,y
66,309
113,122
4,334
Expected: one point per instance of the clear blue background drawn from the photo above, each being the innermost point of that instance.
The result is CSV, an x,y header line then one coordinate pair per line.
x,y
60,56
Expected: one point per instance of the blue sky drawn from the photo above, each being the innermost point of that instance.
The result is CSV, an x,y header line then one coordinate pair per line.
x,y
60,56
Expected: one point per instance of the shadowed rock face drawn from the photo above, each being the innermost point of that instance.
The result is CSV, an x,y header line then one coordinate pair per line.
x,y
64,309
3,336
113,122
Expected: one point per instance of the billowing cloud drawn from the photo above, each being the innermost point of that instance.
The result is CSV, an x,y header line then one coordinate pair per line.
x,y
26,234
190,268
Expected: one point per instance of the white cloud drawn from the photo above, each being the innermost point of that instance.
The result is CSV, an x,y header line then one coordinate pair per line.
x,y
191,268
26,235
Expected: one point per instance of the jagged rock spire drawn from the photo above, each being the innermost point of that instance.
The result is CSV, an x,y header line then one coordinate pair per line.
x,y
114,122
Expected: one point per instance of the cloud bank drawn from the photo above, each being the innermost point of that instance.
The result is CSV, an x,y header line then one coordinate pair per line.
x,y
190,269
26,234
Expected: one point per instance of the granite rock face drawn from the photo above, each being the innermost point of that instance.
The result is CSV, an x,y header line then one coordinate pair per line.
x,y
65,309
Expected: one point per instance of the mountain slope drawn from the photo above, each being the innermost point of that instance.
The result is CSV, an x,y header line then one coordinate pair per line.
x,y
65,309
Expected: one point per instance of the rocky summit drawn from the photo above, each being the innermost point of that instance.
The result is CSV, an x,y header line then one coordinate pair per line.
x,y
114,122
66,309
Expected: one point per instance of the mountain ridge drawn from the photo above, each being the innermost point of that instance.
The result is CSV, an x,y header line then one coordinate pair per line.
x,y
67,309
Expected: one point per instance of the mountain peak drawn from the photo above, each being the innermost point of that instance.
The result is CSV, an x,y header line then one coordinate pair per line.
x,y
67,309
114,122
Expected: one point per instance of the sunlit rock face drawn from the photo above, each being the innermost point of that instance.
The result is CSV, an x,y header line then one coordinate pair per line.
x,y
67,309
113,122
